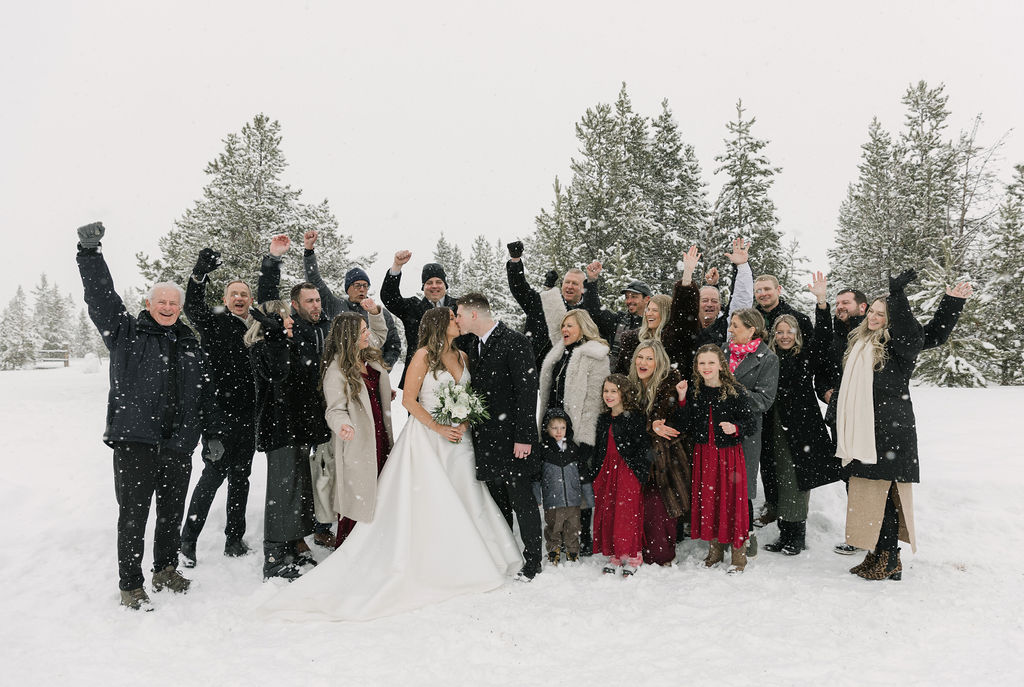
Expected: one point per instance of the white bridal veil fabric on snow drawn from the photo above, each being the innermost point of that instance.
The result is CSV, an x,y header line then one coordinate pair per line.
x,y
436,534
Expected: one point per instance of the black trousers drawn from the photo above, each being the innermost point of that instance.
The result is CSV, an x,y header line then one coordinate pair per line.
x,y
515,495
234,466
888,535
140,471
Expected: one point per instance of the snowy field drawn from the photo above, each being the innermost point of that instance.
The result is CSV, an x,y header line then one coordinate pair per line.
x,y
955,619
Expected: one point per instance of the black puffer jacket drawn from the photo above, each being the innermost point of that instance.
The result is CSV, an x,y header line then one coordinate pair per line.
x,y
228,361
159,391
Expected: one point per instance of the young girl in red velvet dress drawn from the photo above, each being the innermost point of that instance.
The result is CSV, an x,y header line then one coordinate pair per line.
x,y
622,452
717,415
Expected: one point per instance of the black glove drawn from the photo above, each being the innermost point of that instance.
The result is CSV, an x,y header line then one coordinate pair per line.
x,y
90,235
214,450
900,282
550,279
209,260
273,325
515,249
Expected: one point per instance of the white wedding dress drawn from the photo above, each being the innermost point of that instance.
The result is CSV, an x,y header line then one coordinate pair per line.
x,y
435,534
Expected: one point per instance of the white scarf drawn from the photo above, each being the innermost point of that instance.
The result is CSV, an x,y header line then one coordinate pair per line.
x,y
855,416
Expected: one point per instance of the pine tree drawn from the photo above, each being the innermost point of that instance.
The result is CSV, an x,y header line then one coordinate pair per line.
x,y
1004,289
871,218
449,256
86,339
743,207
244,204
17,343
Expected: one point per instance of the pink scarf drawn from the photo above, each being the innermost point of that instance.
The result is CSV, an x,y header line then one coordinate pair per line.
x,y
737,352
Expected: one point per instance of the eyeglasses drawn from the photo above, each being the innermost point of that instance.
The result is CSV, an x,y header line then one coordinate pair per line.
x,y
361,285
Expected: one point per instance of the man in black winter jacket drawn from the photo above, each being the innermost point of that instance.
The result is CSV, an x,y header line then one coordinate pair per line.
x,y
154,416
230,368
357,285
410,310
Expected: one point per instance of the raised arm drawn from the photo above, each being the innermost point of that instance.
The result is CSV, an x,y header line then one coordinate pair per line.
x,y
198,312
106,309
818,347
390,289
378,326
269,282
605,319
743,284
907,335
527,298
683,326
937,331
332,305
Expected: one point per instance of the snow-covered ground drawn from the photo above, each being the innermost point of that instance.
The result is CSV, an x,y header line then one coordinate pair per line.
x,y
954,619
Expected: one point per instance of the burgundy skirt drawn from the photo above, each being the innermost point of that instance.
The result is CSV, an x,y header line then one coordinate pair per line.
x,y
618,507
719,496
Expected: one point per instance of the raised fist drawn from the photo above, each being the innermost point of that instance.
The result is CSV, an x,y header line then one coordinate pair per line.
x,y
402,257
711,277
370,305
279,245
209,260
899,282
515,249
90,235
594,270
550,279
309,239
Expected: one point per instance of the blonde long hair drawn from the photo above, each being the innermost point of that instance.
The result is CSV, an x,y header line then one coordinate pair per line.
x,y
662,367
254,334
876,339
342,345
798,337
664,304
588,328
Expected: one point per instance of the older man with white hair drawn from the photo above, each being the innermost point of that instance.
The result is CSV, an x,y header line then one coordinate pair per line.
x,y
154,417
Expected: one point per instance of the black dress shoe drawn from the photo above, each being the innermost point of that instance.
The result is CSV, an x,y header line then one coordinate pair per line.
x,y
188,554
528,572
235,548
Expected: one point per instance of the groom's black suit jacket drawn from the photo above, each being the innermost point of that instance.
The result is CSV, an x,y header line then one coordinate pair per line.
x,y
505,373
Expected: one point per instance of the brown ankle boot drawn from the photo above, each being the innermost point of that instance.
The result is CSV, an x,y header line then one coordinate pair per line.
x,y
869,562
716,552
887,567
739,560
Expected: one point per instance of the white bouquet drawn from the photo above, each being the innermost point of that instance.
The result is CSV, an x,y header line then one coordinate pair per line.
x,y
458,403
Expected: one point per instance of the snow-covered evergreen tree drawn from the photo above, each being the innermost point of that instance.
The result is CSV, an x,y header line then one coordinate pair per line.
x,y
17,340
449,256
744,206
1004,289
635,201
244,204
51,318
86,339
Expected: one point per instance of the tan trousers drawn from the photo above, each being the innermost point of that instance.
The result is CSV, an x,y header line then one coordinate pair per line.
x,y
866,507
562,529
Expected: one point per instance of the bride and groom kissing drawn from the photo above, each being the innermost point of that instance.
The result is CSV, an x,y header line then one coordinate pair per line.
x,y
442,522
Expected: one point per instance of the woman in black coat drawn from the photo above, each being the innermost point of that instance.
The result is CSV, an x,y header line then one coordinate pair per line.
x,y
876,430
290,420
796,445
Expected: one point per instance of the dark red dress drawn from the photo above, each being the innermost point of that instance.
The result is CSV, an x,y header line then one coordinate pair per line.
x,y
371,378
618,507
719,502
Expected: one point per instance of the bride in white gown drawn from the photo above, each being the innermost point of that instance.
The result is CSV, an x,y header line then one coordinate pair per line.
x,y
435,533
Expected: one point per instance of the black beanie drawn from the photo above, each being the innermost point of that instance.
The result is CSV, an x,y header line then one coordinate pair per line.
x,y
431,270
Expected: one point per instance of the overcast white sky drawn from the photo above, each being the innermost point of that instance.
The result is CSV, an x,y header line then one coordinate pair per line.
x,y
414,118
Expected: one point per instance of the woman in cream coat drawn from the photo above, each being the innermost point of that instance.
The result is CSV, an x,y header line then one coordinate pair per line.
x,y
357,391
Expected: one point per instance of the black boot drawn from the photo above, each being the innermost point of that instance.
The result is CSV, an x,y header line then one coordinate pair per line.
x,y
586,539
279,561
785,536
797,534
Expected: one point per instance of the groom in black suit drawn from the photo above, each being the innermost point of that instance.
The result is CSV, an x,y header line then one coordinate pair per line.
x,y
504,372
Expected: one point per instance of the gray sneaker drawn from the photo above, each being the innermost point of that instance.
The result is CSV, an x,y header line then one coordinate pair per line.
x,y
136,599
172,579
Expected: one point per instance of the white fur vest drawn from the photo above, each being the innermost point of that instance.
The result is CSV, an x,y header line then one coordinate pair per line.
x,y
584,378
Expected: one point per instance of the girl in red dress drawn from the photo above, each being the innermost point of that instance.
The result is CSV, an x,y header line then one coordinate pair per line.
x,y
717,415
622,452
